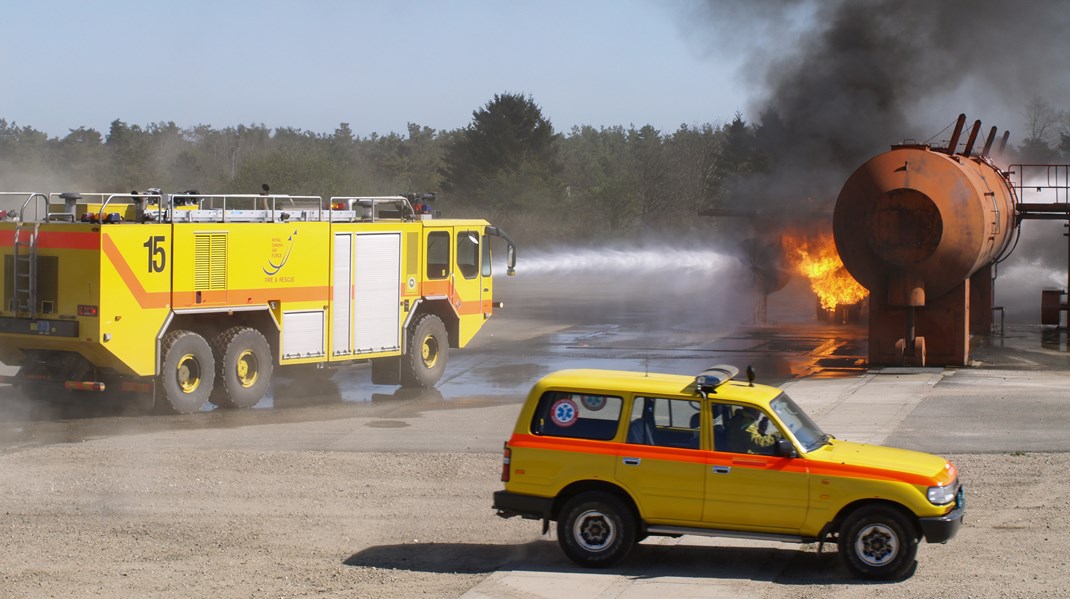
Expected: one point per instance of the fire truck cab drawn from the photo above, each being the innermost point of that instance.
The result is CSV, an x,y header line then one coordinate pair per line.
x,y
197,298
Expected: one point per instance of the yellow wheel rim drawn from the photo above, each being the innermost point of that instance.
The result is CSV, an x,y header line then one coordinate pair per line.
x,y
429,351
189,373
248,369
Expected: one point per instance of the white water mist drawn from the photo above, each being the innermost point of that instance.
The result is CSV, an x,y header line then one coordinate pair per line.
x,y
702,262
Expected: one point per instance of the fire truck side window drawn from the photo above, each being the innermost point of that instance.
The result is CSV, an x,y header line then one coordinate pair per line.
x,y
468,254
486,259
438,254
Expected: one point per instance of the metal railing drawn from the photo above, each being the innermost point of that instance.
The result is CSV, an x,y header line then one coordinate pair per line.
x,y
194,207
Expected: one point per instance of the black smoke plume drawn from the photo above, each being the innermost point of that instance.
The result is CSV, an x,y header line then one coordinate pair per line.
x,y
841,81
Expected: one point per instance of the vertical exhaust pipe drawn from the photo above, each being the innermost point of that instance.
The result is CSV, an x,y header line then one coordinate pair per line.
x,y
973,137
988,142
956,133
1003,142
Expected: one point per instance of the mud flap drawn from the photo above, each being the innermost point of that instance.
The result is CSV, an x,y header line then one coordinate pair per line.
x,y
386,371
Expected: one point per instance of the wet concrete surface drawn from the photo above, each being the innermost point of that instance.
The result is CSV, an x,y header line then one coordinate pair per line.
x,y
553,323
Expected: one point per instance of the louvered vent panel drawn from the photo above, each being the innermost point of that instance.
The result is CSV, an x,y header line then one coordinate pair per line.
x,y
210,256
219,262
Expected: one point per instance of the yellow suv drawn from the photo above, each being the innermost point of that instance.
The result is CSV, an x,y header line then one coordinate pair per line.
x,y
616,456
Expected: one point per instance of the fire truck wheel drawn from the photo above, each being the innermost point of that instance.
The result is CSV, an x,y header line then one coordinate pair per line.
x,y
243,368
426,355
187,373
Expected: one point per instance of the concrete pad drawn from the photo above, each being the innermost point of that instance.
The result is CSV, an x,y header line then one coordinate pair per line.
x,y
866,409
551,585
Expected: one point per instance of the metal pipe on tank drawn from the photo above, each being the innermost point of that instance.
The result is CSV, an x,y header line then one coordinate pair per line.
x,y
1003,142
910,326
988,142
956,133
973,137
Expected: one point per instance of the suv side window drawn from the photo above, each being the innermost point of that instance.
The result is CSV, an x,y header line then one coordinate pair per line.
x,y
664,422
577,416
743,429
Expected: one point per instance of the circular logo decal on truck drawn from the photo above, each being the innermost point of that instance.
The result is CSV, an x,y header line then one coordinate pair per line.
x,y
594,402
563,412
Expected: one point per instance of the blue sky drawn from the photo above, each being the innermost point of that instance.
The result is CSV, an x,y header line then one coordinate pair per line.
x,y
376,65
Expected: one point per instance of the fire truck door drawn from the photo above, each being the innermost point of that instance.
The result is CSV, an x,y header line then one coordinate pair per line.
x,y
466,294
376,292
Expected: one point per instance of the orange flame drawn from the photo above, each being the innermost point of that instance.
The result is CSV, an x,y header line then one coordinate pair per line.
x,y
816,258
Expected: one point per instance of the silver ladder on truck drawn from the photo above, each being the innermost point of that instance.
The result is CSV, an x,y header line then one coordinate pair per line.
x,y
24,270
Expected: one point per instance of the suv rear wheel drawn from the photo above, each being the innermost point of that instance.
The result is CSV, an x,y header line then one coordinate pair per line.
x,y
596,529
878,542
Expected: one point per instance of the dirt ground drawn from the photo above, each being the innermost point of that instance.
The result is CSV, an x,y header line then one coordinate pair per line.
x,y
179,520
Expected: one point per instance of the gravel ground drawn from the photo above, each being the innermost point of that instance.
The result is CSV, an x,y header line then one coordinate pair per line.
x,y
84,520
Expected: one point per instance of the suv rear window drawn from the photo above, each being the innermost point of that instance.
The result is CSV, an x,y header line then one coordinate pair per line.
x,y
577,416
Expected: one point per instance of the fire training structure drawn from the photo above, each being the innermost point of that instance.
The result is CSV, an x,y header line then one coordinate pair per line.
x,y
202,298
921,228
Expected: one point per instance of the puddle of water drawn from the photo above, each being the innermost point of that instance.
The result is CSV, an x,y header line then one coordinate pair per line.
x,y
387,424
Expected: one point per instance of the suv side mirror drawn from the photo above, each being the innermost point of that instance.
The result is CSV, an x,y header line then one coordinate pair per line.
x,y
785,449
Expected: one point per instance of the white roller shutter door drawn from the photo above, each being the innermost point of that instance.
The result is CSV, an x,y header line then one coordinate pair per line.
x,y
342,309
377,292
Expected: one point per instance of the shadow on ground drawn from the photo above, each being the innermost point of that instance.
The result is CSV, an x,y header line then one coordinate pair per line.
x,y
647,561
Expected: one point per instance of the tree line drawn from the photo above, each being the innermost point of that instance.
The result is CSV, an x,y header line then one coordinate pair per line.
x,y
507,165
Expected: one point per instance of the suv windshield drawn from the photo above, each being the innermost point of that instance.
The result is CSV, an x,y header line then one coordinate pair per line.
x,y
809,435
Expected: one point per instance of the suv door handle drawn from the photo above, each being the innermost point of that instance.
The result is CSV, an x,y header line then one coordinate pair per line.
x,y
721,469
632,461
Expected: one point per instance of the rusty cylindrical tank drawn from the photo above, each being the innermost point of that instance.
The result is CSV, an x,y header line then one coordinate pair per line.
x,y
914,222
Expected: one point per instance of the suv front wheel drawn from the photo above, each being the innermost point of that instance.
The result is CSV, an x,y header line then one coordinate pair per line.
x,y
878,542
596,529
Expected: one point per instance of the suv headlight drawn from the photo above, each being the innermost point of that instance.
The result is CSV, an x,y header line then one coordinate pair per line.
x,y
942,495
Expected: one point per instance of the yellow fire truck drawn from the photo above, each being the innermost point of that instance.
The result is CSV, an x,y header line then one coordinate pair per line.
x,y
192,298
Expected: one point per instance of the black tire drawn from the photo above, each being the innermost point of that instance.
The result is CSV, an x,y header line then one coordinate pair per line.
x,y
187,373
878,542
243,368
596,529
425,359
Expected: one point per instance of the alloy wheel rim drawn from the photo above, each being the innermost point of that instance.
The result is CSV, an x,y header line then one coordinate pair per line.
x,y
594,531
877,544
